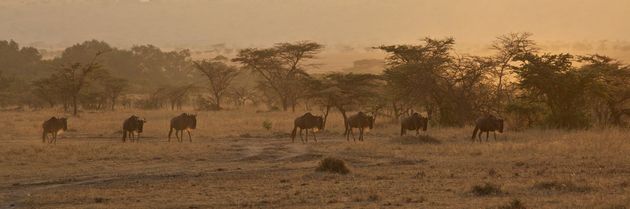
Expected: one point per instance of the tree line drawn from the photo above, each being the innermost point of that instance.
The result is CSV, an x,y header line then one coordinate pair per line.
x,y
519,82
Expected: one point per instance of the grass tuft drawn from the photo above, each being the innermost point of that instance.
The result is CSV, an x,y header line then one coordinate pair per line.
x,y
514,204
422,139
561,186
487,189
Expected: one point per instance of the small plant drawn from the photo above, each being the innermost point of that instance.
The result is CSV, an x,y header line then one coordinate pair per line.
x,y
561,186
515,204
267,125
374,198
333,165
486,190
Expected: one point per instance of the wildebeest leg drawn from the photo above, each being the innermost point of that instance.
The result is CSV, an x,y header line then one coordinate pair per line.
x,y
177,135
495,135
402,130
360,134
479,136
314,136
189,137
293,134
487,135
307,135
55,138
347,135
418,131
169,134
301,136
352,132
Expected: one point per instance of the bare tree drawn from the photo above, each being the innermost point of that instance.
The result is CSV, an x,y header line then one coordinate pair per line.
x,y
74,77
178,95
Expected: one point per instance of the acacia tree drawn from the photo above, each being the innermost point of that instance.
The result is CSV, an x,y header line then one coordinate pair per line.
x,y
219,75
239,95
281,67
508,47
562,87
177,95
610,94
74,77
345,92
429,76
113,88
47,89
416,74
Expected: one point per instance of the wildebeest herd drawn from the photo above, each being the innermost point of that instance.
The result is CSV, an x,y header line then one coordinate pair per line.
x,y
133,126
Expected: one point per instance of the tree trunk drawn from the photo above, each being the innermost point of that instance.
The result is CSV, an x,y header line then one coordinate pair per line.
x,y
345,118
217,98
396,111
285,104
74,105
113,103
326,115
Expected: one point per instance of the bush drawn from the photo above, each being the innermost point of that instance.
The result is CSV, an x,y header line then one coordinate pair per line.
x,y
267,125
205,104
333,165
515,204
486,190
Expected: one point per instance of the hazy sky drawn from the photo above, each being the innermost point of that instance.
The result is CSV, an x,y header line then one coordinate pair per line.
x,y
202,23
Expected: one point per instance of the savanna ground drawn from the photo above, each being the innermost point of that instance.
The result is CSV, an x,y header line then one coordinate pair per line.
x,y
233,162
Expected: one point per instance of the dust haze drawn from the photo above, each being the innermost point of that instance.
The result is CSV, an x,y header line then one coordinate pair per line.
x,y
314,104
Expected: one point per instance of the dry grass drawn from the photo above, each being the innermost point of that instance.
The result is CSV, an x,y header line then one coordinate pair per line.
x,y
234,162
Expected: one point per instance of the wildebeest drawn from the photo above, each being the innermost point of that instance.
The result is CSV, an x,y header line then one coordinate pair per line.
x,y
360,121
307,121
180,123
486,124
132,127
54,126
413,122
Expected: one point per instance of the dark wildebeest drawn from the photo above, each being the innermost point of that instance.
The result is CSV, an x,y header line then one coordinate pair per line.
x,y
180,123
131,126
487,124
54,126
413,122
307,121
360,121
